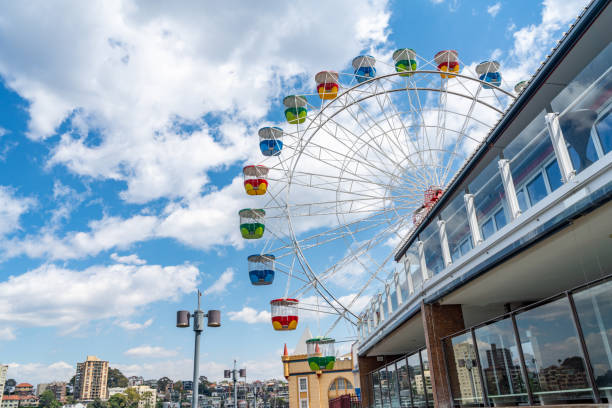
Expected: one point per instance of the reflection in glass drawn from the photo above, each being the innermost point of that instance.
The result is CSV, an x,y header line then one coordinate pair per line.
x,y
416,381
522,200
489,196
403,383
500,218
576,127
393,390
594,307
432,248
500,362
536,189
553,173
427,378
384,387
463,370
555,365
457,227
376,387
604,133
488,228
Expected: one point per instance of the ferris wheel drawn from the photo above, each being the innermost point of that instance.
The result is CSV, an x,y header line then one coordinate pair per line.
x,y
356,167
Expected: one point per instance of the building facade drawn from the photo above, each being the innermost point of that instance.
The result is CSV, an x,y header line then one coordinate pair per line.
x,y
19,401
58,388
314,389
3,371
91,379
24,389
502,294
148,396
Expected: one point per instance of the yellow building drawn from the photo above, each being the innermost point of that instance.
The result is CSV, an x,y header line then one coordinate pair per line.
x,y
314,389
90,380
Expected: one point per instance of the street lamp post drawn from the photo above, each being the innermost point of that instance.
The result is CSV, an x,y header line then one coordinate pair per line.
x,y
234,375
182,321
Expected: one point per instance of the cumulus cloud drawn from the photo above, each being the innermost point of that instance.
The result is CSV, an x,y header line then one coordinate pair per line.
x,y
143,75
7,333
250,316
97,292
221,283
127,325
128,259
494,9
37,373
150,351
11,209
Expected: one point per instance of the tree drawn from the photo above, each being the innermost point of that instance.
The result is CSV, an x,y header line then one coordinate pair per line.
x,y
162,384
116,378
70,399
47,400
97,403
72,380
132,397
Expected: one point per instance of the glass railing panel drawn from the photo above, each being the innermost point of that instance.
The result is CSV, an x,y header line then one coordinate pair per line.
x,y
489,200
554,361
462,368
413,267
394,299
594,308
432,248
457,227
500,362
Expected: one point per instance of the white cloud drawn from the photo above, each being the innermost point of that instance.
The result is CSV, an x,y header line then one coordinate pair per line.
x,y
127,325
98,292
128,259
36,373
250,316
221,283
494,9
150,351
7,333
11,209
142,73
3,131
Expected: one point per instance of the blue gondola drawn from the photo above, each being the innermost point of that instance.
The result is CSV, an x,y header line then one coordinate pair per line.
x,y
488,71
270,141
261,269
364,67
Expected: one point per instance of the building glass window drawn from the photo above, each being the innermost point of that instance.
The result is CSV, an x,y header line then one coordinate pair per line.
x,y
536,189
594,308
457,227
555,364
522,200
432,248
500,363
553,174
384,387
393,391
500,218
427,378
463,370
489,196
403,383
488,228
416,381
376,387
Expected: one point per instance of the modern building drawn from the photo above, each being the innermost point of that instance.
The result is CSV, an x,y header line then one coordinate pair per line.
x,y
502,293
58,388
3,371
91,379
314,389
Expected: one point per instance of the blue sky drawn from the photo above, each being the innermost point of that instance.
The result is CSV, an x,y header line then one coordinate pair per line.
x,y
123,127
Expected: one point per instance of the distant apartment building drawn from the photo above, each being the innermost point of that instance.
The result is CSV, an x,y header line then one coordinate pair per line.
x,y
136,380
90,380
24,389
58,388
3,370
148,396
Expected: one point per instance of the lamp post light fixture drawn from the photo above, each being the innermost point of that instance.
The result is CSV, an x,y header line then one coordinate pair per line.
x,y
234,373
182,320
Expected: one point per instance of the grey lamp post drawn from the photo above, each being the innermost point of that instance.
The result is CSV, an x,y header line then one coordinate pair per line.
x,y
182,321
234,375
